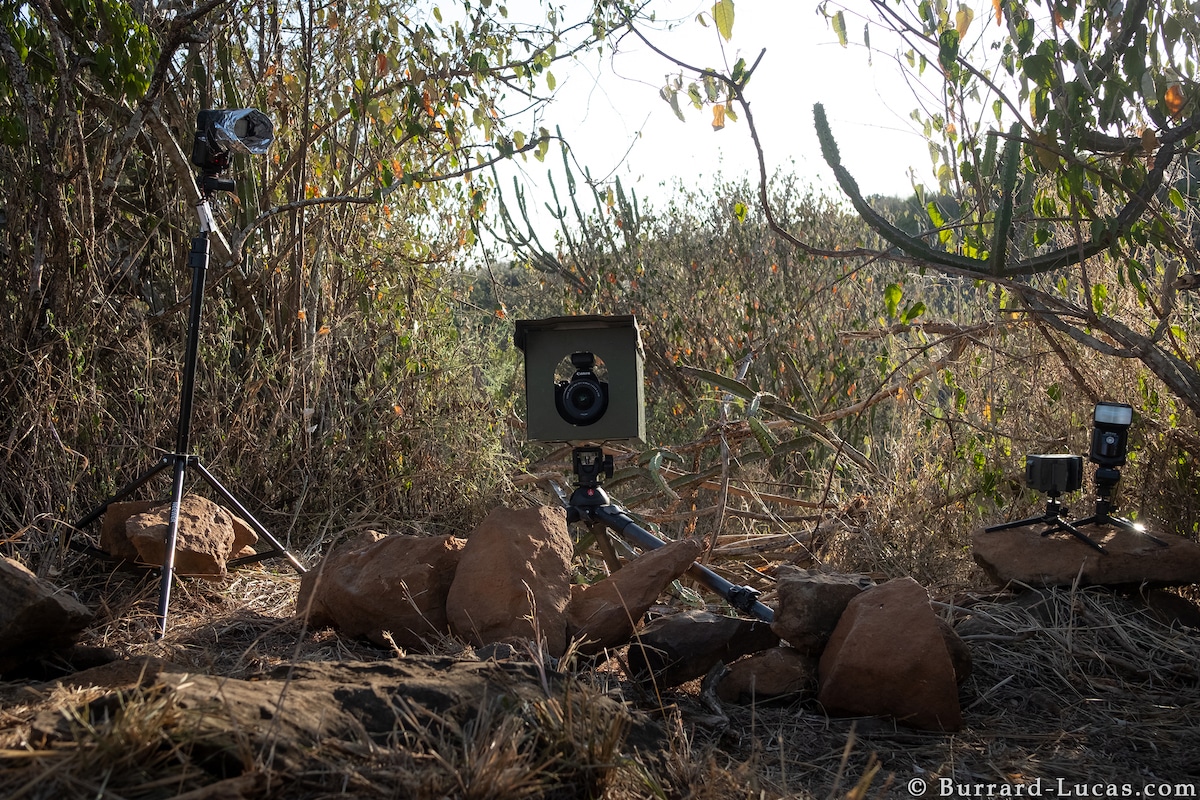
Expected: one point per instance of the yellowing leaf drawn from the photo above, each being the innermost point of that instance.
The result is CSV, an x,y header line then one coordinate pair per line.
x,y
962,20
718,122
999,16
839,27
722,12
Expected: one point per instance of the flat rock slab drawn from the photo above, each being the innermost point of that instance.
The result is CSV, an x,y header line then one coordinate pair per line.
x,y
1024,555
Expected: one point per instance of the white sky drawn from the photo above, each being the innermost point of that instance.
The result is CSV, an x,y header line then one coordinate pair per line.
x,y
609,105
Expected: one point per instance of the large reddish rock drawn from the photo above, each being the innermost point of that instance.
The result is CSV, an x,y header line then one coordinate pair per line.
x,y
1023,555
204,543
375,584
513,581
36,617
606,613
888,657
114,531
810,604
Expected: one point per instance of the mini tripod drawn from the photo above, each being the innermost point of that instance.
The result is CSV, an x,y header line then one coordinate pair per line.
x,y
181,460
1106,483
1054,517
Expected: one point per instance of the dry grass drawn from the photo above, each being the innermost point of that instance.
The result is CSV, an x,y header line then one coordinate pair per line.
x,y
1071,685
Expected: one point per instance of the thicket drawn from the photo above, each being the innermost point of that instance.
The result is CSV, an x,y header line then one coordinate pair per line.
x,y
873,413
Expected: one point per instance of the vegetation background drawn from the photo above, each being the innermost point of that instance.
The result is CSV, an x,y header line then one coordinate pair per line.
x,y
894,358
845,380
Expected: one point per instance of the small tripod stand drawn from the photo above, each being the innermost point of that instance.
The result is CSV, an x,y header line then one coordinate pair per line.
x,y
1106,483
181,459
590,504
1054,519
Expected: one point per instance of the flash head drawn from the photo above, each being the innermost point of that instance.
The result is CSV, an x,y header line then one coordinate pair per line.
x,y
218,131
1113,414
1110,433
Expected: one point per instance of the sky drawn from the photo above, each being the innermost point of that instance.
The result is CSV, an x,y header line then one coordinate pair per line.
x,y
610,110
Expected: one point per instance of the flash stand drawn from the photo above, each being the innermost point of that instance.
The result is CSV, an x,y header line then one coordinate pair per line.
x,y
251,130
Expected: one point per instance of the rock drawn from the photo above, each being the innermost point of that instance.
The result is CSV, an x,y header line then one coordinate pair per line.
x,y
36,618
113,538
605,614
676,649
887,656
781,673
1023,555
204,543
244,538
1169,609
516,566
810,603
375,583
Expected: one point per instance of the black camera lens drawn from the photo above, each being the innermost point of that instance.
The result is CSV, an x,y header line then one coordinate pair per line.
x,y
583,399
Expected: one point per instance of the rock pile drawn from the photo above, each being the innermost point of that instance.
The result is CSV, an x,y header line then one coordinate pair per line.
x,y
508,581
857,648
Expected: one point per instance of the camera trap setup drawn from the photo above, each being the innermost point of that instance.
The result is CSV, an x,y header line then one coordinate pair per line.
x,y
584,386
218,134
1057,474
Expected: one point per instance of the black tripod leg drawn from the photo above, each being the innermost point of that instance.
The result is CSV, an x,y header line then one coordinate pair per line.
x,y
120,495
249,519
1073,529
599,531
168,566
1020,523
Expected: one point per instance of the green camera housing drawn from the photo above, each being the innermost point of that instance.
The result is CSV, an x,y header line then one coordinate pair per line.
x,y
616,343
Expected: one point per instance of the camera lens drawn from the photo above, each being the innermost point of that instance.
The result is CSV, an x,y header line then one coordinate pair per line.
x,y
582,400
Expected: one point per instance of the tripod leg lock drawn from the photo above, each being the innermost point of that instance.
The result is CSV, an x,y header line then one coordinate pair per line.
x,y
743,598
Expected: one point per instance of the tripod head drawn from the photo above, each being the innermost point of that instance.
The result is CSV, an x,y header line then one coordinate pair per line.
x,y
590,465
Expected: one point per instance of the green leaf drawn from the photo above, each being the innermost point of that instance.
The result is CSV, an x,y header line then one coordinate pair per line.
x,y
722,13
740,210
766,439
654,469
912,312
1177,199
891,297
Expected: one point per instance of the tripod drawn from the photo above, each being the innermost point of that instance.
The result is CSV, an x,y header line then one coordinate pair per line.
x,y
590,504
1106,482
181,460
1054,519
